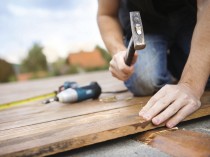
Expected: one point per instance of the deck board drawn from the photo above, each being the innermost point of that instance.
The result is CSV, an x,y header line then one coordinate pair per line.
x,y
39,129
178,142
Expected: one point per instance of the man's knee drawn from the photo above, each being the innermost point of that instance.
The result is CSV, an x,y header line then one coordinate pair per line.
x,y
144,87
138,90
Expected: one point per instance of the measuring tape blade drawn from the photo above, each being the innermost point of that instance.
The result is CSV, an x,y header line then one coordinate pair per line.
x,y
24,101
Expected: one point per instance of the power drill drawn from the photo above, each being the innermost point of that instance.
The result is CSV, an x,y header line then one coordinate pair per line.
x,y
70,92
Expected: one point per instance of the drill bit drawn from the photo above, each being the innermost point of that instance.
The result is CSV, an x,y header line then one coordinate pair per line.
x,y
50,100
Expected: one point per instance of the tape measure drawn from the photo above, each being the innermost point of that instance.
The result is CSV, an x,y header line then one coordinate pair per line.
x,y
25,101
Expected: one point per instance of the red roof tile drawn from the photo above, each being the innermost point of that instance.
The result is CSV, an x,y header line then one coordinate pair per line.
x,y
87,59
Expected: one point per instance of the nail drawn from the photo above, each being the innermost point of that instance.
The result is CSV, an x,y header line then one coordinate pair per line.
x,y
141,113
169,125
146,117
156,121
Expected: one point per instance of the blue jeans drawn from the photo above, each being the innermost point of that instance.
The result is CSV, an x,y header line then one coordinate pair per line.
x,y
163,58
151,72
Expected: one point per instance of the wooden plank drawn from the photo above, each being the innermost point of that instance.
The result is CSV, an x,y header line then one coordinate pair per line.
x,y
54,111
22,90
74,132
40,113
178,142
39,129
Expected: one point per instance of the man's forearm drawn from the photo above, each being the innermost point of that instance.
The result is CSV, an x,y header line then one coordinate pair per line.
x,y
197,68
111,33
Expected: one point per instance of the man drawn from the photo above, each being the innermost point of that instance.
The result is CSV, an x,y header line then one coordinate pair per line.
x,y
177,35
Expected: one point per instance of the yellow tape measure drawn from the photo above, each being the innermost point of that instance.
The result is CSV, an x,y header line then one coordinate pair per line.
x,y
21,102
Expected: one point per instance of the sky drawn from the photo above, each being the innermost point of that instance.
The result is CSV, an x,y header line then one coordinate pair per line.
x,y
60,26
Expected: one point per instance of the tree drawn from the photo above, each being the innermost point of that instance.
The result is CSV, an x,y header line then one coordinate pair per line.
x,y
104,54
35,60
6,71
61,67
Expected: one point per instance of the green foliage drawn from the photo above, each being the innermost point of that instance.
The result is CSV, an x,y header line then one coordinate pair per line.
x,y
61,67
104,54
58,67
35,61
73,69
6,71
97,68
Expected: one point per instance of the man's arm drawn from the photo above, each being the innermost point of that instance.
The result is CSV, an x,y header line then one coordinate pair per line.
x,y
111,32
109,25
197,69
175,102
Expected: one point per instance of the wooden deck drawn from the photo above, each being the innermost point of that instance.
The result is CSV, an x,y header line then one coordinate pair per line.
x,y
37,129
177,143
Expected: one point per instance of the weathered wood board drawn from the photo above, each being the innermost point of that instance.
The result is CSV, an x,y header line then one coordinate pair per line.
x,y
38,129
178,142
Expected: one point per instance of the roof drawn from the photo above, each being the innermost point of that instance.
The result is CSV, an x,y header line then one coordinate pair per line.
x,y
86,59
28,76
24,77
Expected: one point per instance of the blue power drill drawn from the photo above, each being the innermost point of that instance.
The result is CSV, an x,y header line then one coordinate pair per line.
x,y
70,92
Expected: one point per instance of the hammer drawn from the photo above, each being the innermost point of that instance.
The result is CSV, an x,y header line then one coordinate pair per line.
x,y
137,39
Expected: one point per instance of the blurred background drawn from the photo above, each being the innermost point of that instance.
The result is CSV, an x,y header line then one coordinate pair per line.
x,y
45,38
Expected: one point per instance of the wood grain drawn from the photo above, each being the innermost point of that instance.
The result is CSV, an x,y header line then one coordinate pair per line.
x,y
178,142
38,130
70,133
41,113
22,90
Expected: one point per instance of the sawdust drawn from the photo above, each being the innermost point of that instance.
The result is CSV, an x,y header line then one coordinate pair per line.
x,y
114,99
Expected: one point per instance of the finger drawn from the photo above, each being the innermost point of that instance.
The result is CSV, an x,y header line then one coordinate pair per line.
x,y
134,58
165,90
111,65
149,104
181,114
111,69
160,94
125,69
119,75
131,70
169,111
159,106
119,65
122,66
116,75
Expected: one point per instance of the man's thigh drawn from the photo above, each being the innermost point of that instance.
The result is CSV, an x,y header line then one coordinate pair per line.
x,y
182,25
180,49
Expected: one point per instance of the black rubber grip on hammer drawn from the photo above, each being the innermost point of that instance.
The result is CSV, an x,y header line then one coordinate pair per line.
x,y
130,53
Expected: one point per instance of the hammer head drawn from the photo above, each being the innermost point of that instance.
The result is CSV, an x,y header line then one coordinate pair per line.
x,y
137,30
137,40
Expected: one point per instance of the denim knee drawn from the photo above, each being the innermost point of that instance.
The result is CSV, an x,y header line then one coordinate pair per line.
x,y
150,69
143,87
138,89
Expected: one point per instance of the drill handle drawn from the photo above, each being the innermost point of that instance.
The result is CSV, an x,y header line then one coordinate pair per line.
x,y
93,90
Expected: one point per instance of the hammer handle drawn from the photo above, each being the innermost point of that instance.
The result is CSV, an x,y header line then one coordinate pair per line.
x,y
130,53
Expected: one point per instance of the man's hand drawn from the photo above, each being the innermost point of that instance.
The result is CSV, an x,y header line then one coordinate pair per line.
x,y
119,69
172,103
